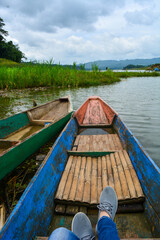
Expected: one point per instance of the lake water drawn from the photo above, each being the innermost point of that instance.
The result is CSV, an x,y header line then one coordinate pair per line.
x,y
137,100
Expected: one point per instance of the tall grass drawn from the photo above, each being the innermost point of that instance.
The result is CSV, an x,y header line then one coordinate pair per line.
x,y
136,74
46,75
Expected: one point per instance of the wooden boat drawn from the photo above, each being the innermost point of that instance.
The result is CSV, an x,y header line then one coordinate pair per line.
x,y
24,133
94,150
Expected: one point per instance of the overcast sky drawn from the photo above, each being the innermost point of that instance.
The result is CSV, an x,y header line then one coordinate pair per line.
x,y
83,30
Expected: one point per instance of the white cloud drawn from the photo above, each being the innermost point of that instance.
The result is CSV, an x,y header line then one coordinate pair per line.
x,y
83,30
145,16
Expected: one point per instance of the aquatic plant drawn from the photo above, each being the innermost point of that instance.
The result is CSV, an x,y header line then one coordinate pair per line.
x,y
46,74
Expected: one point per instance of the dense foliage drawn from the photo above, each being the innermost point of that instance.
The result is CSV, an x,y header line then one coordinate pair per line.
x,y
8,50
131,66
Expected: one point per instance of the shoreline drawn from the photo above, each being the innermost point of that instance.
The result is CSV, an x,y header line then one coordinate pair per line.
x,y
46,76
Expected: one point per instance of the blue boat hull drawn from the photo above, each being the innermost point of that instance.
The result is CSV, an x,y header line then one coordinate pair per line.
x,y
32,215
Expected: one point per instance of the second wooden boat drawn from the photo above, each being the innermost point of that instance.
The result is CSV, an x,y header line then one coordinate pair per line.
x,y
24,133
96,149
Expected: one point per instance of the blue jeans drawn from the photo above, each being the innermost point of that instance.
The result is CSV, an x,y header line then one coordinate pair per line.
x,y
106,230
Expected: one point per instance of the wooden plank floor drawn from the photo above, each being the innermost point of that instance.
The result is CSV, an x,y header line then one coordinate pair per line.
x,y
107,142
56,112
95,114
85,177
23,133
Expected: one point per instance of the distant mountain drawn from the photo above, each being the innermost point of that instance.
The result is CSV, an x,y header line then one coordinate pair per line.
x,y
113,64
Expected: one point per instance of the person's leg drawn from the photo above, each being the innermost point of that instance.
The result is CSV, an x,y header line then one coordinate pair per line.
x,y
63,234
106,228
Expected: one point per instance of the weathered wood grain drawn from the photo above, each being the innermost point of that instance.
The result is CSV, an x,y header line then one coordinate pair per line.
x,y
62,184
70,179
123,180
85,177
109,171
87,184
99,178
94,181
86,143
75,180
94,113
116,178
128,175
104,173
134,175
80,187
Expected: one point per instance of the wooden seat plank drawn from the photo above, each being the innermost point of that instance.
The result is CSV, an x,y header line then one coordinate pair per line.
x,y
116,178
104,173
128,175
109,171
99,177
70,179
97,143
94,181
62,184
117,142
80,187
91,143
87,184
134,175
75,179
107,144
75,146
123,181
112,145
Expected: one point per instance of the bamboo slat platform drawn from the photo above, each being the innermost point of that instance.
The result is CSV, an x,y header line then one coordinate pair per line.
x,y
85,177
108,142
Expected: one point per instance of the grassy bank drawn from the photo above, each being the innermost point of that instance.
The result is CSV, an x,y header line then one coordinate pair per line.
x,y
136,74
46,75
21,76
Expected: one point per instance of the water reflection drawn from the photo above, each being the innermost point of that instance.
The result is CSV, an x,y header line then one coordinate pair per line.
x,y
137,100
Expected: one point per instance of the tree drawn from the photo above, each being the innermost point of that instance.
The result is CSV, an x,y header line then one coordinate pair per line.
x,y
2,31
8,50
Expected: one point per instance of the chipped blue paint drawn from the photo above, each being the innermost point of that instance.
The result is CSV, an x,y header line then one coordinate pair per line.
x,y
32,214
148,172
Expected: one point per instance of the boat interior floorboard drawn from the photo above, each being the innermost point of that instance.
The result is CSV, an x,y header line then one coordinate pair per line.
x,y
99,142
129,226
95,114
84,178
54,114
23,133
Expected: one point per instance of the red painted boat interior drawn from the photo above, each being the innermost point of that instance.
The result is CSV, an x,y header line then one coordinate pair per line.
x,y
94,111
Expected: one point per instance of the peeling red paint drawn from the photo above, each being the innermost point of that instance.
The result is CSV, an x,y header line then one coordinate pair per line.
x,y
95,111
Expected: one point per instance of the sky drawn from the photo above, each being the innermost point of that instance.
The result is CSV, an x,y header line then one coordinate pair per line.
x,y
81,31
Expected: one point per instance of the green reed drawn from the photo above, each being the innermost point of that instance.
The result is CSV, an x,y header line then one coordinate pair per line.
x,y
47,75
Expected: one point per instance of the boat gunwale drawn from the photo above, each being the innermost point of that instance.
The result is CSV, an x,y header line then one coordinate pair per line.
x,y
31,184
30,124
25,111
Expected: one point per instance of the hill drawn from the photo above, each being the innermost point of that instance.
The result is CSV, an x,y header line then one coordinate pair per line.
x,y
114,64
7,62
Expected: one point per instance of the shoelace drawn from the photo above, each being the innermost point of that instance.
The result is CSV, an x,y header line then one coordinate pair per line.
x,y
107,207
88,237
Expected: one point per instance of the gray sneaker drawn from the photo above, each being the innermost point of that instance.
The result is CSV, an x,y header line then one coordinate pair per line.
x,y
108,202
81,227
